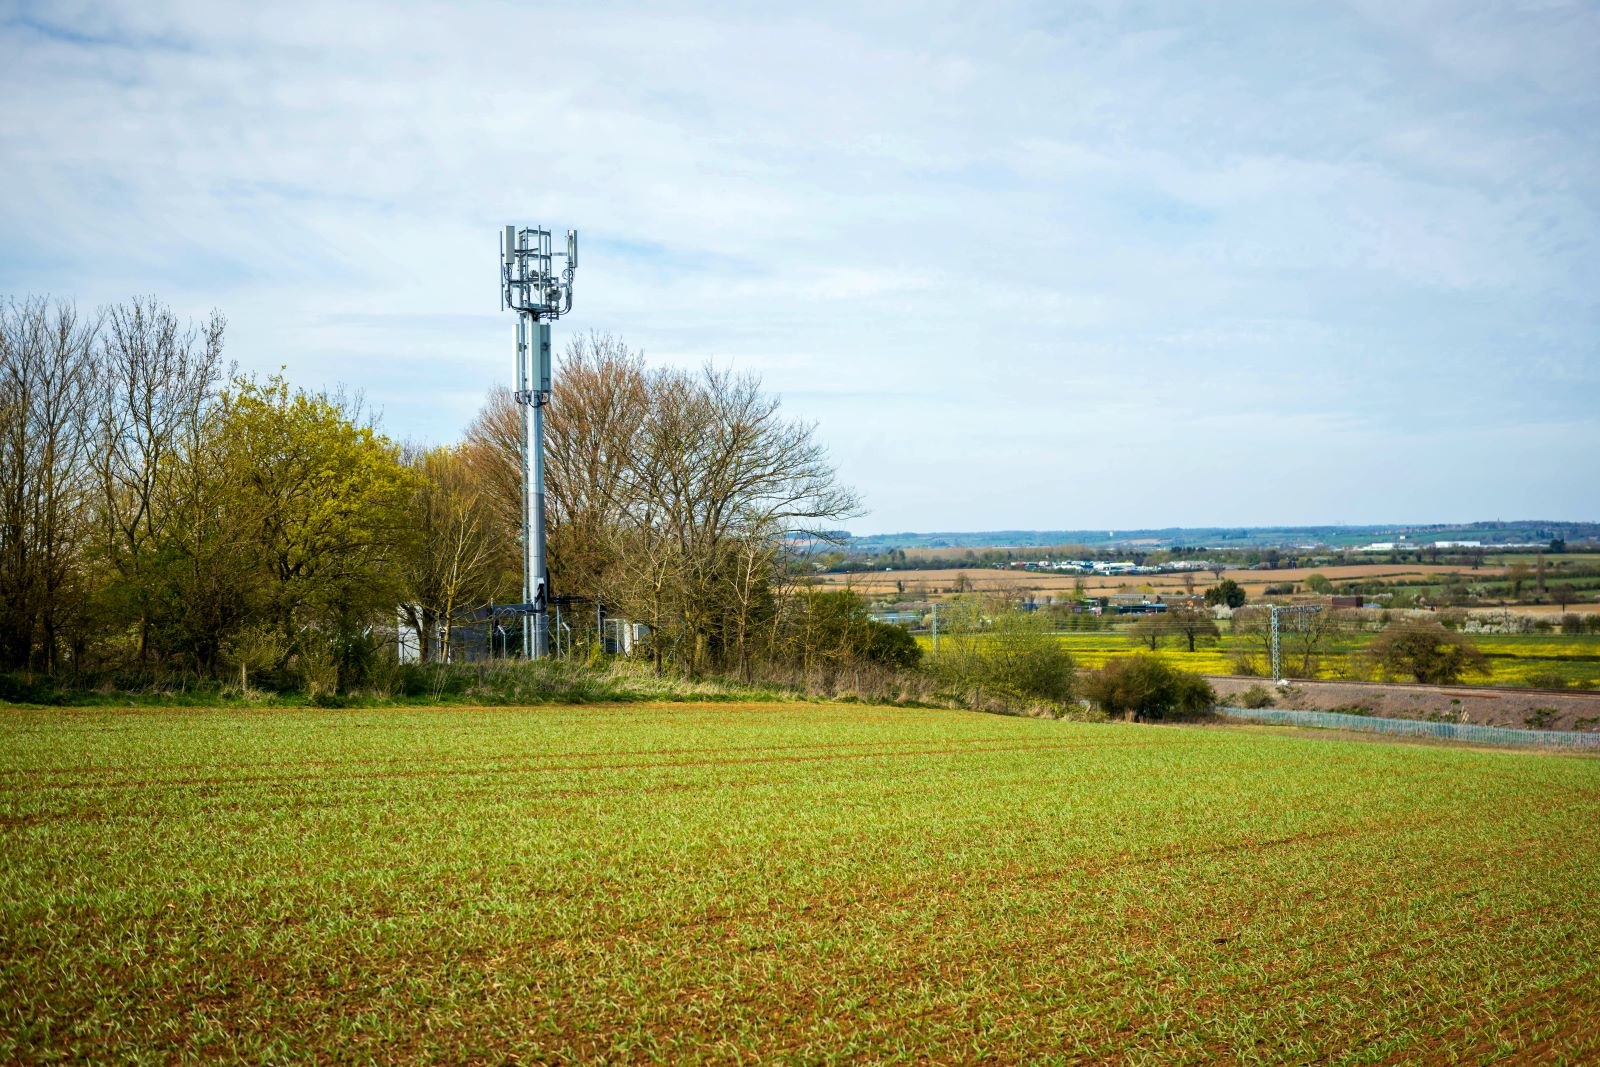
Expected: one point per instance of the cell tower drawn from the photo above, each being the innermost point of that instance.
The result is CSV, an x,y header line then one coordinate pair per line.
x,y
531,287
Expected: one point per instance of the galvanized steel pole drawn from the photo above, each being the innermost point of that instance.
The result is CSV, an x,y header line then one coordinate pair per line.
x,y
532,288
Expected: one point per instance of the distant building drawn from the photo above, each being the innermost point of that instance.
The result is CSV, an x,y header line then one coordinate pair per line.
x,y
897,618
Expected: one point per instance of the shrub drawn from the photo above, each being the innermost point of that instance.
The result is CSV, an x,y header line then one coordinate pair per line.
x,y
1141,687
1245,665
1544,680
1007,653
888,645
318,667
835,626
1540,718
254,649
1257,696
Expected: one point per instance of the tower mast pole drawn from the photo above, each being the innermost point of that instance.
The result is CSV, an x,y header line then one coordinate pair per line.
x,y
532,288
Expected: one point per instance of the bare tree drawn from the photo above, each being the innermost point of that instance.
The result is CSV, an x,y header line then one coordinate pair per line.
x,y
46,366
1302,636
592,428
1193,623
673,496
208,569
1307,635
1148,630
754,476
456,568
156,374
591,438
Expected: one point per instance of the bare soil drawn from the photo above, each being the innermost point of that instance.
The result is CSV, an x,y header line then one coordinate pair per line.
x,y
1578,608
990,579
1474,704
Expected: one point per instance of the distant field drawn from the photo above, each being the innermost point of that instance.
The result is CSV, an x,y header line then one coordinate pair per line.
x,y
1544,609
787,883
985,579
1514,659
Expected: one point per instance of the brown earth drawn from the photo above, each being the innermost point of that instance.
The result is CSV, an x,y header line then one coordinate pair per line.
x,y
1474,704
1541,609
989,579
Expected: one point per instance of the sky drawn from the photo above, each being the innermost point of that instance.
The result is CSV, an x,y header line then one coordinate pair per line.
x,y
1025,266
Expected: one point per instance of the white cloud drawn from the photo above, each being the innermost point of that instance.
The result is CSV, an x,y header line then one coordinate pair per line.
x,y
990,248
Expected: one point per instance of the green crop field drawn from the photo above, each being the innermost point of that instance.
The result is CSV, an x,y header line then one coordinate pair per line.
x,y
1514,659
783,882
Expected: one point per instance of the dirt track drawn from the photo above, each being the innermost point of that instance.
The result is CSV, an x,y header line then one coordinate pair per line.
x,y
1476,704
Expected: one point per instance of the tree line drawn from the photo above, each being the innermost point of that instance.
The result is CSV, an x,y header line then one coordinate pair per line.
x,y
160,512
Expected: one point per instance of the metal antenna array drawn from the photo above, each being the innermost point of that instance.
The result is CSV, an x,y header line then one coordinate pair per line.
x,y
530,286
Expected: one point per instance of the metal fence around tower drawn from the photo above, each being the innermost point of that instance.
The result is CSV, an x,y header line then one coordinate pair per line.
x,y
1451,731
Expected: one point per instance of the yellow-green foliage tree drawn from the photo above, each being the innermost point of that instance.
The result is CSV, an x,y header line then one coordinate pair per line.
x,y
327,498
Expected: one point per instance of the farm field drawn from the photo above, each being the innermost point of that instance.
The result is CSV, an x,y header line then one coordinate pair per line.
x,y
789,882
1514,659
935,582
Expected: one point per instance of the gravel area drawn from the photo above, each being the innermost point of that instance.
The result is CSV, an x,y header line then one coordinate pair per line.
x,y
1575,710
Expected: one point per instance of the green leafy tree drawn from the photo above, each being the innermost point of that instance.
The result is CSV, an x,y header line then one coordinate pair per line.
x,y
1227,592
1318,582
1427,651
1141,687
206,568
327,499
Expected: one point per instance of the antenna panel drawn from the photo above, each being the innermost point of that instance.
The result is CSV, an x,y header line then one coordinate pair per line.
x,y
542,355
522,355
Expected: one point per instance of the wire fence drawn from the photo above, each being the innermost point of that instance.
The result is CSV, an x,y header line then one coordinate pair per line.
x,y
1454,731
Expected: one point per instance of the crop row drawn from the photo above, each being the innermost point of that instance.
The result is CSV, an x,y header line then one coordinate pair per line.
x,y
790,882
